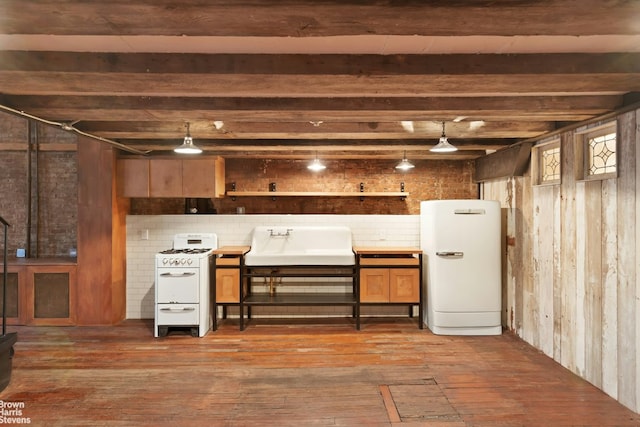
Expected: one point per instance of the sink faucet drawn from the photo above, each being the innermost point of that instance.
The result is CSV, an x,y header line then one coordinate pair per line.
x,y
279,233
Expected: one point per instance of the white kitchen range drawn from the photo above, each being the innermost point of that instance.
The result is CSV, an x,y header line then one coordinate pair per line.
x,y
183,283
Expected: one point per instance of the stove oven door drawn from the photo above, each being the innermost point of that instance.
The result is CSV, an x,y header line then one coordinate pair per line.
x,y
177,285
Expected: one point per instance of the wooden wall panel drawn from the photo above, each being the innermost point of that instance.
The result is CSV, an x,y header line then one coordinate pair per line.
x,y
582,238
97,302
637,248
610,288
627,321
567,291
590,250
120,208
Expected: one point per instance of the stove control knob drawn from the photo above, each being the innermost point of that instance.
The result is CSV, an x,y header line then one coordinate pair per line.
x,y
165,261
189,261
182,261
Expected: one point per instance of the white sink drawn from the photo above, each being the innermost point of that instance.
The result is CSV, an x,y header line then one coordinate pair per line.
x,y
300,245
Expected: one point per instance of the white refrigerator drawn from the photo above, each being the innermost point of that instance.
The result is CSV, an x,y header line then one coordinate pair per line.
x,y
460,240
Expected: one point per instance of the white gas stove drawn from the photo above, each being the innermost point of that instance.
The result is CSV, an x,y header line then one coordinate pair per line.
x,y
183,283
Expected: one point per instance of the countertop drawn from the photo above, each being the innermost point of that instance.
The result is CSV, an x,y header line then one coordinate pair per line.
x,y
232,250
382,250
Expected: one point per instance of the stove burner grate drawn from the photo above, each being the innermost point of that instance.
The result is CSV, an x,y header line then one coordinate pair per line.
x,y
187,251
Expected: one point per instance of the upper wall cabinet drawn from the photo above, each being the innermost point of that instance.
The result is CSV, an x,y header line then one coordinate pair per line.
x,y
141,177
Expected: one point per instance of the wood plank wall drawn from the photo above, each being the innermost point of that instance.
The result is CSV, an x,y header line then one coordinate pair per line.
x,y
571,272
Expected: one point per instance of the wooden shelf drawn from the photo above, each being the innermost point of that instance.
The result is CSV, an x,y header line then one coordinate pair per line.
x,y
300,299
317,194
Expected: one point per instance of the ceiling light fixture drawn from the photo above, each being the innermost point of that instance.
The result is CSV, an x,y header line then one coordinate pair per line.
x,y
187,146
316,165
405,164
443,145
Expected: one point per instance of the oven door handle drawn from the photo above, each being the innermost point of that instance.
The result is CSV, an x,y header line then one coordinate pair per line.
x,y
185,274
178,310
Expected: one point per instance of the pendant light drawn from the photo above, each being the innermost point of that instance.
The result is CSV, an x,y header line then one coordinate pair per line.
x,y
443,145
316,165
187,146
405,164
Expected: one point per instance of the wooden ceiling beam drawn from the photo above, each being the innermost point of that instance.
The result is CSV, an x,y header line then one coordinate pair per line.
x,y
72,115
349,109
562,103
299,18
97,84
332,144
315,64
316,130
345,152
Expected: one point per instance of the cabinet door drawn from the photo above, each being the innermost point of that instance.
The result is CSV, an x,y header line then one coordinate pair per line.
x,y
374,285
203,177
165,178
51,295
133,177
227,285
404,285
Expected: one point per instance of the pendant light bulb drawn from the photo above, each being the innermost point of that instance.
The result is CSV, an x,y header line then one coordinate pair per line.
x,y
188,147
316,165
443,145
405,164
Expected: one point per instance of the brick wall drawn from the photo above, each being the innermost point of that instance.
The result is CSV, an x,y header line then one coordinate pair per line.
x,y
54,187
430,179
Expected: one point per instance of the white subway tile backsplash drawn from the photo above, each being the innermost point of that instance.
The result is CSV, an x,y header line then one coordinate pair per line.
x,y
232,230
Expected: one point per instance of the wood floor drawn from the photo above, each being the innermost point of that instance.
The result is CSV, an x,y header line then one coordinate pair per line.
x,y
295,374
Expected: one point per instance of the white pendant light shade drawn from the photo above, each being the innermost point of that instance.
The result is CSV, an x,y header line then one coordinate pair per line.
x,y
404,164
443,145
188,147
316,165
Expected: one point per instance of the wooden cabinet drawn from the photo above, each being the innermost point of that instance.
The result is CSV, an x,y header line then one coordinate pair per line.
x,y
228,285
203,177
395,285
41,292
227,278
133,177
164,177
390,276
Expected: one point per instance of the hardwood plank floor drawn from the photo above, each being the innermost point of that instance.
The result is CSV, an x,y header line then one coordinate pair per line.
x,y
296,373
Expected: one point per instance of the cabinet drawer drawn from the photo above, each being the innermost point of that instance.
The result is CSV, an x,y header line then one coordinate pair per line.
x,y
389,261
224,260
177,314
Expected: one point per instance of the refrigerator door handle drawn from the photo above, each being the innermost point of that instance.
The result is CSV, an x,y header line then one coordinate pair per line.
x,y
450,254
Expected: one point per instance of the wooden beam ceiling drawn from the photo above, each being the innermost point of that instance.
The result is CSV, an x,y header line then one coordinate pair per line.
x,y
348,79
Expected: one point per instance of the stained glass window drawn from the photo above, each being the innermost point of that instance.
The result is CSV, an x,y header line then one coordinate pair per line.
x,y
601,154
550,165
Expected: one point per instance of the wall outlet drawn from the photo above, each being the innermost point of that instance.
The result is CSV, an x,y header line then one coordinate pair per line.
x,y
144,234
